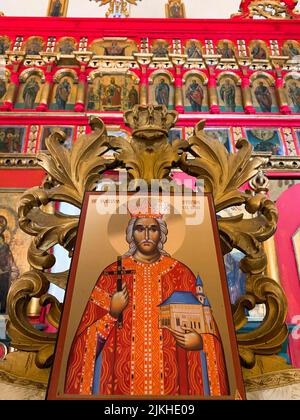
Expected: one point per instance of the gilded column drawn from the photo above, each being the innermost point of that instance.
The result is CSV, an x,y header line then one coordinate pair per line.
x,y
81,91
12,89
281,94
212,91
144,85
246,92
45,96
179,106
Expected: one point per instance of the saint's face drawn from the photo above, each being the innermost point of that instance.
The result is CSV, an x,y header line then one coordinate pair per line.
x,y
146,235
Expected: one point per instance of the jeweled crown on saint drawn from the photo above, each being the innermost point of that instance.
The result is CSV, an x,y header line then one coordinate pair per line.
x,y
145,120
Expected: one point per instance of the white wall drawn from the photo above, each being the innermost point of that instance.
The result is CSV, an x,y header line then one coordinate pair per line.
x,y
146,8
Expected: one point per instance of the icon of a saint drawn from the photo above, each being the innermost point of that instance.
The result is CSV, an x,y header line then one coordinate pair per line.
x,y
34,47
2,88
226,51
114,50
56,10
3,46
30,92
294,94
258,52
67,47
133,97
264,97
227,93
291,50
8,269
160,50
112,94
62,94
195,95
162,93
175,10
193,51
148,327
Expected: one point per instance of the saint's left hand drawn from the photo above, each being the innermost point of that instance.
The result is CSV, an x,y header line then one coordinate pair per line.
x,y
188,340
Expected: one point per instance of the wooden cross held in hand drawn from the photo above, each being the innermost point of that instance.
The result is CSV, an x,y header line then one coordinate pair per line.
x,y
119,273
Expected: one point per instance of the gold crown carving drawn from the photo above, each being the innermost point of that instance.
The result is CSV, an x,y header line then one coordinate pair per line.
x,y
150,121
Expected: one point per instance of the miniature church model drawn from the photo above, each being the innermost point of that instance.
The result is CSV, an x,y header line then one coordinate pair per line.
x,y
183,310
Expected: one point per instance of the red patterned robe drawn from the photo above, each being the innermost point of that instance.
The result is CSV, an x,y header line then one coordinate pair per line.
x,y
140,358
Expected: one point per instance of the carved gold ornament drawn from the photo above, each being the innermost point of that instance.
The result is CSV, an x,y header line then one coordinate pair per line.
x,y
268,9
118,7
147,155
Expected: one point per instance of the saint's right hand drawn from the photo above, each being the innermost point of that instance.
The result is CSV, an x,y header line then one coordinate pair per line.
x,y
119,302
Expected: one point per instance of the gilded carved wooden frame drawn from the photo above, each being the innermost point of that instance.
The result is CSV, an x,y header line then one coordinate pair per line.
x,y
147,156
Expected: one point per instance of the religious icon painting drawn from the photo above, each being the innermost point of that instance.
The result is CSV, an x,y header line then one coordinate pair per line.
x,y
264,95
30,92
221,134
176,133
266,140
12,139
292,89
147,313
13,244
175,9
58,8
297,132
230,94
48,130
195,93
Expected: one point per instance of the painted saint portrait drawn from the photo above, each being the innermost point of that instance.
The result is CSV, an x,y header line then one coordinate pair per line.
x,y
3,89
193,49
162,93
258,52
150,325
112,95
226,50
13,242
175,9
195,94
133,97
220,134
228,95
264,98
114,47
265,141
62,95
67,46
34,46
113,92
64,92
264,95
8,269
12,139
4,44
290,49
160,49
58,8
30,92
175,134
48,130
293,94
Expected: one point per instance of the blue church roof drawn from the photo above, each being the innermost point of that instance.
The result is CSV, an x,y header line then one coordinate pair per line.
x,y
181,297
199,281
206,303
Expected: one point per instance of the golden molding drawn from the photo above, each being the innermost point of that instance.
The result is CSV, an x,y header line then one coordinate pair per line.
x,y
148,156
